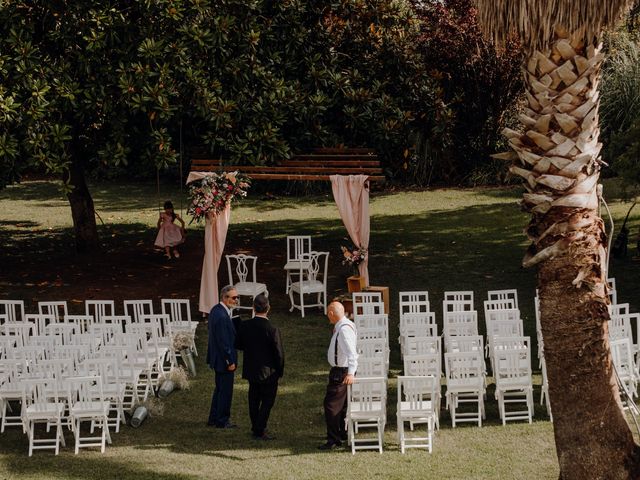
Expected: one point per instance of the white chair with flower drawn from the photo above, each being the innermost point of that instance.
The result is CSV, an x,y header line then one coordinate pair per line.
x,y
313,280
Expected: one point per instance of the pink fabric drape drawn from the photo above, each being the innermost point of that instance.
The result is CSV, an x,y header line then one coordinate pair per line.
x,y
351,194
215,235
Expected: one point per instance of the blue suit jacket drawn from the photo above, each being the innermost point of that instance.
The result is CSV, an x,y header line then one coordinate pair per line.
x,y
221,351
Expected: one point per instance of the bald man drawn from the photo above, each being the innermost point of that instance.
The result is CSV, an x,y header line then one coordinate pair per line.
x,y
343,358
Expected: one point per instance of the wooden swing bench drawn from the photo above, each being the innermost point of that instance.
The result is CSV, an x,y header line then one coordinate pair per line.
x,y
318,165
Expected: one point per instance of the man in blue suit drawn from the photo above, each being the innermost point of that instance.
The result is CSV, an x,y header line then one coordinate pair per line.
x,y
222,357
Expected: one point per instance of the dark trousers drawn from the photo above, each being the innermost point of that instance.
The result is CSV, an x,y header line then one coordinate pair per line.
x,y
335,408
262,396
220,412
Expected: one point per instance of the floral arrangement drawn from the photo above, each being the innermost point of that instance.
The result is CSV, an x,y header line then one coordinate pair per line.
x,y
182,340
178,376
353,257
214,192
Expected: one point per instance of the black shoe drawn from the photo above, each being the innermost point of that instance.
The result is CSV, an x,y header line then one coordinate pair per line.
x,y
330,446
227,425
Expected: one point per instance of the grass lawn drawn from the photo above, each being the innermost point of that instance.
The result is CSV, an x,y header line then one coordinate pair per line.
x,y
436,241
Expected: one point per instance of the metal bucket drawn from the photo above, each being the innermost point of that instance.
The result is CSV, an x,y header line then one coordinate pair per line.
x,y
187,357
166,388
138,416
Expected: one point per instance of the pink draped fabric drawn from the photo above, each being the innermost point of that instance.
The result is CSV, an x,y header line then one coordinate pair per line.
x,y
215,235
351,194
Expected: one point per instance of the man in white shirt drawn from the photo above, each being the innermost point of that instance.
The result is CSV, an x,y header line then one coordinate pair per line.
x,y
343,358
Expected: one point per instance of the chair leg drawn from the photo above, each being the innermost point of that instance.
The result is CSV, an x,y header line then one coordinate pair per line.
x,y
31,433
302,303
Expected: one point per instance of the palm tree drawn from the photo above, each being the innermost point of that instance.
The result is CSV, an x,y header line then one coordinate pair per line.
x,y
557,153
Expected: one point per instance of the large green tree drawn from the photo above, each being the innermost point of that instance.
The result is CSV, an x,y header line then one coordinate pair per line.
x,y
557,152
108,82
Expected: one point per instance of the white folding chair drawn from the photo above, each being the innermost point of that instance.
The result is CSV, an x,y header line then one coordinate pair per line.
x,y
179,311
417,404
414,302
12,310
108,369
510,296
366,406
88,403
297,246
512,372
421,345
464,322
41,404
622,356
313,280
242,275
455,301
136,308
99,308
58,309
465,384
11,391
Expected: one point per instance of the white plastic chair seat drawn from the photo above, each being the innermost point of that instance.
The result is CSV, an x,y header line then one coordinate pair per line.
x,y
357,412
53,410
425,413
307,286
90,409
296,265
250,288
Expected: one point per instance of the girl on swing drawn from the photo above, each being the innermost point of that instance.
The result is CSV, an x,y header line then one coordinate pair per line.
x,y
169,234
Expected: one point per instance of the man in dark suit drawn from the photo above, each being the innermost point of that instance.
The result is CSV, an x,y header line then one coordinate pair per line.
x,y
222,357
263,364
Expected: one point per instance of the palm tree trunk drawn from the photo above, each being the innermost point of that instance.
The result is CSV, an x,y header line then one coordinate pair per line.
x,y
592,437
558,155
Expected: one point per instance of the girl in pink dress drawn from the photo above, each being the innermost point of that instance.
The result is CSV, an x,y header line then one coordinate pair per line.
x,y
169,234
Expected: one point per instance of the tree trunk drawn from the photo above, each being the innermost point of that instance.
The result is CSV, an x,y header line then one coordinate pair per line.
x,y
558,155
82,210
593,440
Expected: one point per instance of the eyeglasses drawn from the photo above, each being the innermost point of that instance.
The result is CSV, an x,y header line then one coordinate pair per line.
x,y
233,298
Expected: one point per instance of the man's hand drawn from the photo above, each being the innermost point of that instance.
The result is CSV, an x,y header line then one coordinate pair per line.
x,y
231,367
349,379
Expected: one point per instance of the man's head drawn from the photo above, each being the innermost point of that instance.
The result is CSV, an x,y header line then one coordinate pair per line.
x,y
229,296
261,304
335,312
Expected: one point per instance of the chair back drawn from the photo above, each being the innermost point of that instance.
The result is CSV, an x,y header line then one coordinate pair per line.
x,y
417,393
58,309
136,308
297,245
99,308
508,296
178,309
423,364
12,310
242,268
457,300
414,302
460,323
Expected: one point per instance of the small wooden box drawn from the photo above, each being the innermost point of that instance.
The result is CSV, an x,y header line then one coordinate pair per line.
x,y
355,284
385,295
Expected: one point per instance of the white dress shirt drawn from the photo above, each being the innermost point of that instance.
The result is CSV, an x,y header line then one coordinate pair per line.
x,y
347,354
